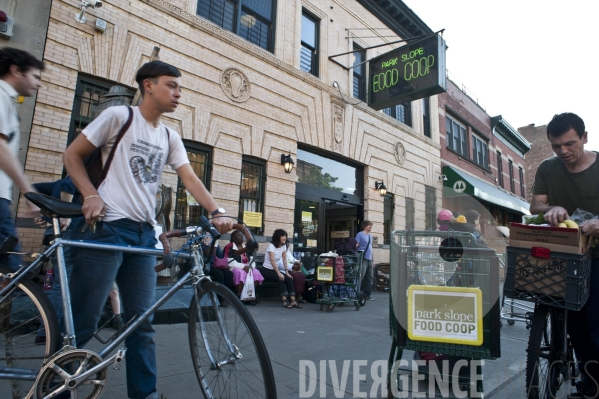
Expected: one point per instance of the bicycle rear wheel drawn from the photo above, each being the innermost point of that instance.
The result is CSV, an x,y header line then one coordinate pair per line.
x,y
229,355
23,312
543,365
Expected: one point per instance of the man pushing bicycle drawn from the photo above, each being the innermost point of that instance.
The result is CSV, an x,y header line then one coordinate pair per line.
x,y
121,211
562,184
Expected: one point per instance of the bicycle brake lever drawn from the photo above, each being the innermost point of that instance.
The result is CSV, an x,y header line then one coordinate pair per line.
x,y
209,228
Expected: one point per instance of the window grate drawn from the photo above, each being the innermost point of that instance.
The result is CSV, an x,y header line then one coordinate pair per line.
x,y
410,213
430,207
187,209
251,198
388,212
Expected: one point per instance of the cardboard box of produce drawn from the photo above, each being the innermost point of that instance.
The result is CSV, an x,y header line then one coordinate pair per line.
x,y
560,239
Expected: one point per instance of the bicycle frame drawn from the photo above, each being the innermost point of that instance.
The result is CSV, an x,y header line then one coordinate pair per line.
x,y
196,274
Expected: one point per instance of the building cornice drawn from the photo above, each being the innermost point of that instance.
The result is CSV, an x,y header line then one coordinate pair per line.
x,y
504,130
397,16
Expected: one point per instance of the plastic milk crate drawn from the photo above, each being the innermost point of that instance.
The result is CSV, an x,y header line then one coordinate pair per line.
x,y
550,278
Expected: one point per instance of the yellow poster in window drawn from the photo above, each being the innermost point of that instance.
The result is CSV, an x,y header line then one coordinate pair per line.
x,y
306,216
252,219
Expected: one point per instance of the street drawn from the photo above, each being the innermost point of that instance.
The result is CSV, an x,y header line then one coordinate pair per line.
x,y
359,338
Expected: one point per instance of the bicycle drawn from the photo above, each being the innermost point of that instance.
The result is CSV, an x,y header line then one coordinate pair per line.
x,y
550,361
229,356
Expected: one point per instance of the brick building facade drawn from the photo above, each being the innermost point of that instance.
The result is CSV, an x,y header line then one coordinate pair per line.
x,y
541,150
482,161
256,86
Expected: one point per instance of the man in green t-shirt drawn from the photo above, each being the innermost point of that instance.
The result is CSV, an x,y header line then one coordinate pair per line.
x,y
562,184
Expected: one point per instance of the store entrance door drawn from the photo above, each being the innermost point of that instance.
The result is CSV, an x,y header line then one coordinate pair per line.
x,y
340,221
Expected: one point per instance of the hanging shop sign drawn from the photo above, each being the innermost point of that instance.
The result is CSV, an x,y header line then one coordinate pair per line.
x,y
414,71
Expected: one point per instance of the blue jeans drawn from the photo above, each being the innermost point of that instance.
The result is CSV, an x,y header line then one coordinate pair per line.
x,y
366,276
7,228
583,327
92,275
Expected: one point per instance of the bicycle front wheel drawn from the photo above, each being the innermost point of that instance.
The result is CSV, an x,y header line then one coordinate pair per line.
x,y
26,316
543,365
229,355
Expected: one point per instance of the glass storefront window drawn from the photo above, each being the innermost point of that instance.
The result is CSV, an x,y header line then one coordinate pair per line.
x,y
317,171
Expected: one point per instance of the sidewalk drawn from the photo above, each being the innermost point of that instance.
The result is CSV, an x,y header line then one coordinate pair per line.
x,y
335,346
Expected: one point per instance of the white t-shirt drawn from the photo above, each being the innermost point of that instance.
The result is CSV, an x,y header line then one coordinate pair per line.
x,y
9,128
129,190
278,256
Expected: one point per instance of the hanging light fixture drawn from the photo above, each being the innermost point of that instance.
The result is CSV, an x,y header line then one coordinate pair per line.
x,y
287,162
381,187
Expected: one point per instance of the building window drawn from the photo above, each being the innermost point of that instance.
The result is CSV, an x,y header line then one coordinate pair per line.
x,y
410,213
187,209
401,112
456,136
388,212
522,191
251,198
512,186
480,152
430,208
426,117
309,49
359,73
88,93
499,169
250,19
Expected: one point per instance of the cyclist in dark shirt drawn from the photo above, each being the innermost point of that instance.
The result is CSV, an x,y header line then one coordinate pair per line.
x,y
562,184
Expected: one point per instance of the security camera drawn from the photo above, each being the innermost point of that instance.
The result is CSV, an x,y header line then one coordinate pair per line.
x,y
93,3
80,17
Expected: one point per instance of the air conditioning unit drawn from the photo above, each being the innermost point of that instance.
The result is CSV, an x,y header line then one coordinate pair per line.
x,y
6,25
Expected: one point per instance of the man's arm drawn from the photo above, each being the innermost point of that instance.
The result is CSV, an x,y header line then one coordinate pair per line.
x,y
553,214
10,165
198,191
73,162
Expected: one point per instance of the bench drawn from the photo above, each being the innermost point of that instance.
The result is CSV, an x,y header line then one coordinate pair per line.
x,y
268,289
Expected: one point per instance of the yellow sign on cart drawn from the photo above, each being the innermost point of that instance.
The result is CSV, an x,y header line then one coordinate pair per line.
x,y
445,314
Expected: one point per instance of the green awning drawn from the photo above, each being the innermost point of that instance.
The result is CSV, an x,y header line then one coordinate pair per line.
x,y
461,184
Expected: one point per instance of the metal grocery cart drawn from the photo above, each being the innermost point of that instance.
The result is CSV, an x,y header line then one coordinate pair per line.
x,y
340,275
445,271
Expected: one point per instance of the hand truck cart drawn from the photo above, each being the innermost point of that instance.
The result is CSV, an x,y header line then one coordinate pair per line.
x,y
444,302
340,275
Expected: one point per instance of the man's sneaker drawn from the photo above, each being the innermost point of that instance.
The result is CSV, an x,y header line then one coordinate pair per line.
x,y
117,323
370,298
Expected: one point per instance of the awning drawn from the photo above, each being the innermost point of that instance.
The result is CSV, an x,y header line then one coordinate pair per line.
x,y
461,184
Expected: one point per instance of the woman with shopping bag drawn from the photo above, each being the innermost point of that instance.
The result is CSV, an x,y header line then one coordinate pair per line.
x,y
236,254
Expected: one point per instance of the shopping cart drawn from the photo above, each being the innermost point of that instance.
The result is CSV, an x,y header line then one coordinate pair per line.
x,y
340,275
435,273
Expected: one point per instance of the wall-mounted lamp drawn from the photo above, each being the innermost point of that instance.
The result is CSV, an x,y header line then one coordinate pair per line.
x,y
381,187
287,162
442,178
80,17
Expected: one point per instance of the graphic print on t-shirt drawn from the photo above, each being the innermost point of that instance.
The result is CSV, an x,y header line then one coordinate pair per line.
x,y
146,167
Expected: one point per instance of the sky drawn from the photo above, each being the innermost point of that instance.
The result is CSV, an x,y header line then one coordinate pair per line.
x,y
526,60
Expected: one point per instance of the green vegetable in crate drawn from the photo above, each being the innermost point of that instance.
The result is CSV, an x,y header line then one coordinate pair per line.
x,y
539,219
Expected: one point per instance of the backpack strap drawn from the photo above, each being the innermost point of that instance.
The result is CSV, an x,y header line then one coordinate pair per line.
x,y
112,150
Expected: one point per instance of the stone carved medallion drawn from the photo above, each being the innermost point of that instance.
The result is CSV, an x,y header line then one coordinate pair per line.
x,y
338,128
235,84
400,153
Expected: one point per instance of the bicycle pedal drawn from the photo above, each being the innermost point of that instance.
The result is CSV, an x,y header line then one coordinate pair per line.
x,y
118,360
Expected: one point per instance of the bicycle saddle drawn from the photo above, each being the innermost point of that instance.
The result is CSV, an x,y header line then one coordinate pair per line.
x,y
54,208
